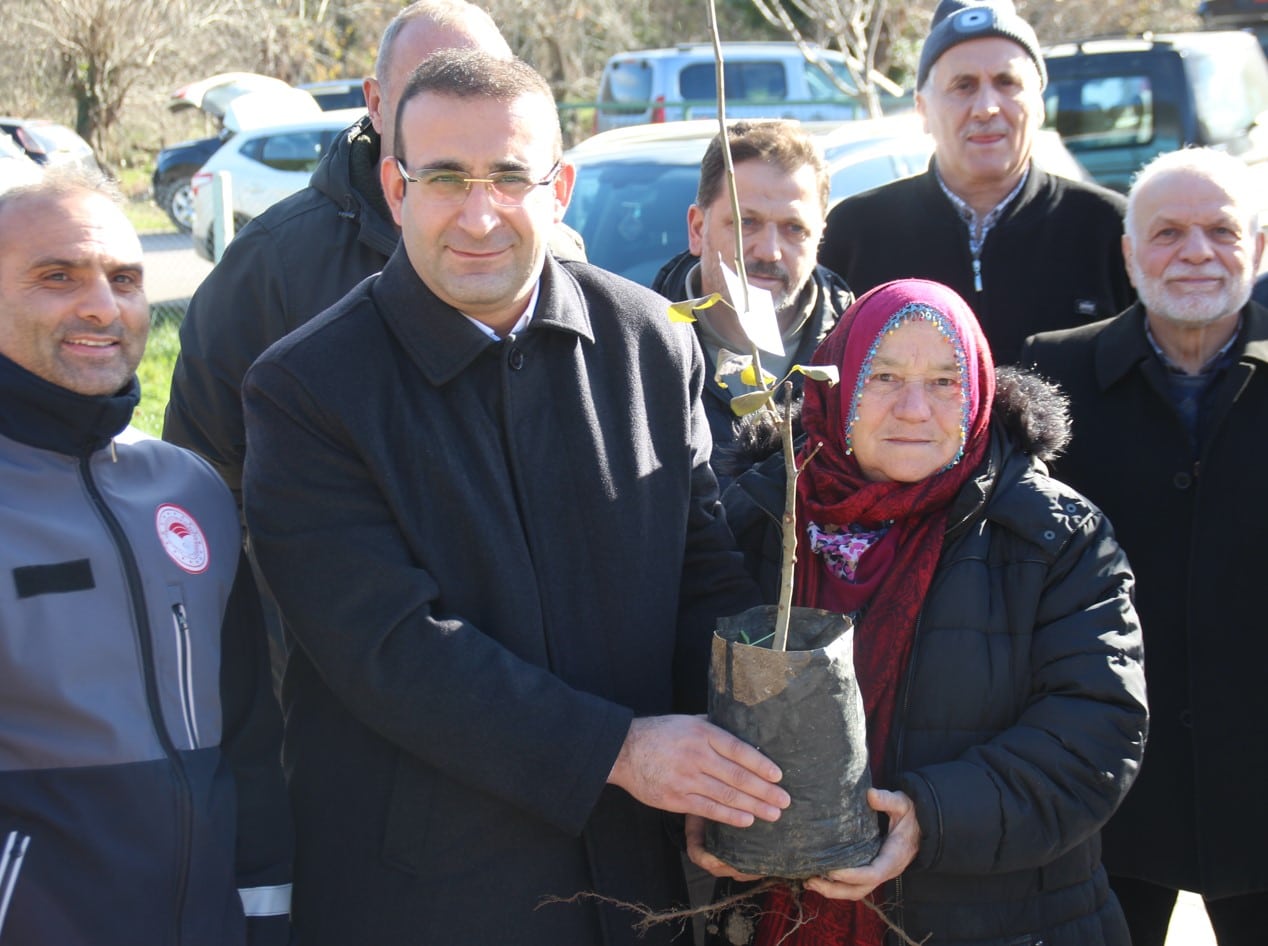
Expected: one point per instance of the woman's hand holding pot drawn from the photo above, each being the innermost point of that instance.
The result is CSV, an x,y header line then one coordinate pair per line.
x,y
898,850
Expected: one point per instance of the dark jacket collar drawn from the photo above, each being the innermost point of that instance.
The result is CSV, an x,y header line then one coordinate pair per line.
x,y
348,176
834,294
45,415
1123,345
832,298
436,336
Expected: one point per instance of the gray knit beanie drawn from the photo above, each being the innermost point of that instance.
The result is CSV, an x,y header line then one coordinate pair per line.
x,y
958,21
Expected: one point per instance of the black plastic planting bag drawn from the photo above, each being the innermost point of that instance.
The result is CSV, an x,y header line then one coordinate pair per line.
x,y
803,710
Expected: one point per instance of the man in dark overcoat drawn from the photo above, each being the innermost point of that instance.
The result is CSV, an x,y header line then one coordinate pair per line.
x,y
1170,409
479,488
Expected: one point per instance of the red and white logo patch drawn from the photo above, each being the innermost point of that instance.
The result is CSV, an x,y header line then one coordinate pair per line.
x,y
182,538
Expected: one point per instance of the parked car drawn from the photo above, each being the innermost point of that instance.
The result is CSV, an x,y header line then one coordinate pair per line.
x,y
1249,15
264,165
175,165
335,94
634,185
762,80
174,168
1119,102
46,142
213,94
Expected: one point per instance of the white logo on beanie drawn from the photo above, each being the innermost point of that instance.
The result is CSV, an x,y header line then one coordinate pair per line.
x,y
974,19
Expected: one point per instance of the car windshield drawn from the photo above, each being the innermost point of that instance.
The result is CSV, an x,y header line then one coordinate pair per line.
x,y
1231,92
631,197
56,138
628,82
745,81
632,214
332,97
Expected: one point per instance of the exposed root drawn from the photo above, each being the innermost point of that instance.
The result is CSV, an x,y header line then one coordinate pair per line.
x,y
738,912
649,917
898,931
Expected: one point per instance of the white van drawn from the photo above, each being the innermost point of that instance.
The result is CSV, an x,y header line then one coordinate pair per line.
x,y
762,80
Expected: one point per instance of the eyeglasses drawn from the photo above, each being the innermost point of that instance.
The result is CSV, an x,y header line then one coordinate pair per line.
x,y
442,186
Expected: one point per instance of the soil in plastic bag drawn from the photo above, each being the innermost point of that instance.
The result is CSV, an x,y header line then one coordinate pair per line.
x,y
803,710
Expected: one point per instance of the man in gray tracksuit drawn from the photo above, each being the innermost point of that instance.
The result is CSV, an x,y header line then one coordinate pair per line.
x,y
141,799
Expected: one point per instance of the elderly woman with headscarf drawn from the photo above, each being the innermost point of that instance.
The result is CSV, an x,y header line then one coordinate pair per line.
x,y
996,646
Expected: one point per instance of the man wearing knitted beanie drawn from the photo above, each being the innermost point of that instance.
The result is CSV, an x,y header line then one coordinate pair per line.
x,y
1029,250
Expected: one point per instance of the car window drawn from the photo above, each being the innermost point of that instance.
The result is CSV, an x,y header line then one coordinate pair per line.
x,y
745,81
627,82
820,86
1231,92
1101,112
331,99
9,148
632,215
865,173
59,138
289,151
27,141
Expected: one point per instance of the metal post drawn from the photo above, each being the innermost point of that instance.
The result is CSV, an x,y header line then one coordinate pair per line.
x,y
222,213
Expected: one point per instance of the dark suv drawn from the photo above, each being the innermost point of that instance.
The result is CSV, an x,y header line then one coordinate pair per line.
x,y
1119,102
174,168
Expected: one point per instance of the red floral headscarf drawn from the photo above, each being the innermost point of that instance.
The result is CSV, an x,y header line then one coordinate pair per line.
x,y
902,527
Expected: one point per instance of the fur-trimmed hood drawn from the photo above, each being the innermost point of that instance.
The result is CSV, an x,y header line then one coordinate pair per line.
x,y
1033,413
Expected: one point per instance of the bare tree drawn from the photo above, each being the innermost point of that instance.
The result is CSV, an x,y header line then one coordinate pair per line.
x,y
568,42
1057,22
855,27
102,48
306,40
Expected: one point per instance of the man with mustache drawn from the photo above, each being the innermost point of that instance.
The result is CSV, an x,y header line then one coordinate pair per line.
x,y
1170,404
783,186
1028,250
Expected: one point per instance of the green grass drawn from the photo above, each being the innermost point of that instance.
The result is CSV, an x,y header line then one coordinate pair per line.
x,y
145,215
155,370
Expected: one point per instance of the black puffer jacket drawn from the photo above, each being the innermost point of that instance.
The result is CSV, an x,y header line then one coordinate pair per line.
x,y
1022,718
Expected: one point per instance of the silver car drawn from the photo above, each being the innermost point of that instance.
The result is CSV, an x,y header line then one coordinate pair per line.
x,y
264,165
46,142
762,80
634,185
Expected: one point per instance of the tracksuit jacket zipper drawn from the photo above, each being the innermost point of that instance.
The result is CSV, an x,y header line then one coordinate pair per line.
x,y
136,592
